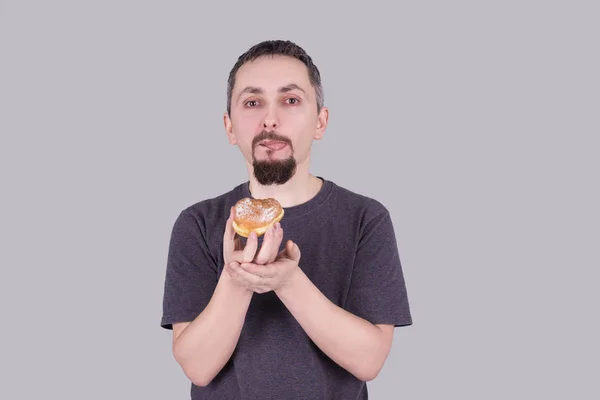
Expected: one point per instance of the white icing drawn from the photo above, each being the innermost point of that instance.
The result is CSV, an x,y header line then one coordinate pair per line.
x,y
256,211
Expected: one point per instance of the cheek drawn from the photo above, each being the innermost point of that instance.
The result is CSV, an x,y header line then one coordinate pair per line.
x,y
245,127
305,129
303,147
248,120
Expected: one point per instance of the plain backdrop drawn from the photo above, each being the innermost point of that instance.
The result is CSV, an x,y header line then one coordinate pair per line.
x,y
476,123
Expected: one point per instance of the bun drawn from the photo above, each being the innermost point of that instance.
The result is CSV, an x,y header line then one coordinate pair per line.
x,y
256,215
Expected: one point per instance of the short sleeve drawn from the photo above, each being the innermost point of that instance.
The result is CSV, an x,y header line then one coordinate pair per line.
x,y
191,273
378,290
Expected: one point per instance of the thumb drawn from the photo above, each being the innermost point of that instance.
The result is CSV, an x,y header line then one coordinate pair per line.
x,y
293,251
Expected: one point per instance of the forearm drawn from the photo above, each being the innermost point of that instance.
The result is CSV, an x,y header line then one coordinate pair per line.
x,y
352,342
207,343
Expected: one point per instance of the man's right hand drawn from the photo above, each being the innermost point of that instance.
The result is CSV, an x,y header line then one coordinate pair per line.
x,y
235,251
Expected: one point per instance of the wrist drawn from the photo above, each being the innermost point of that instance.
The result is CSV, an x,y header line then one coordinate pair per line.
x,y
291,283
232,288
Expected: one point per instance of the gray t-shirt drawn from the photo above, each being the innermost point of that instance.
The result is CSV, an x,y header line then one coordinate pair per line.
x,y
349,252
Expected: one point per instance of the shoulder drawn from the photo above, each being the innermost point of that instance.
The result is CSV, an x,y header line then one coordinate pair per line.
x,y
366,207
370,219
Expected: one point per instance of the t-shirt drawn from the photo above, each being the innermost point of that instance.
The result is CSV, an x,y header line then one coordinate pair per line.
x,y
349,252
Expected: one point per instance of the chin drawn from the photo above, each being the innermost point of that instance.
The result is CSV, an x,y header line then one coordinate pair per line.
x,y
274,172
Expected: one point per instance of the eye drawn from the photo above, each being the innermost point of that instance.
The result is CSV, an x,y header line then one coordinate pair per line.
x,y
251,103
292,101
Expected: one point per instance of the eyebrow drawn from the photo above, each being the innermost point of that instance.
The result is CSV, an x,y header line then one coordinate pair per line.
x,y
283,89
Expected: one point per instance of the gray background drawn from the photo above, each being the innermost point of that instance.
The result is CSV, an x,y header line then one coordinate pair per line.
x,y
481,120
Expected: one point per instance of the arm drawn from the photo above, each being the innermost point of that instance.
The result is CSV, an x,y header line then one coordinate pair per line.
x,y
355,344
203,346
357,337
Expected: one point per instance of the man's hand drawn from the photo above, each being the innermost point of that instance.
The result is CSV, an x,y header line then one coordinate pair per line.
x,y
236,254
272,276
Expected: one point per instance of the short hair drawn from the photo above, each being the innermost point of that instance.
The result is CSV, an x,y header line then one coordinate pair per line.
x,y
277,47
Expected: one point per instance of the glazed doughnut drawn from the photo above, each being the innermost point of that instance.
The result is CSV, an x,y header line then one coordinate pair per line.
x,y
256,215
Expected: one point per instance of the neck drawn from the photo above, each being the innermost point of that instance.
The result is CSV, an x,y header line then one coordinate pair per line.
x,y
302,187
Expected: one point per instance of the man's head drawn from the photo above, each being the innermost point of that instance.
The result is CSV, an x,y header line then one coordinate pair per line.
x,y
275,109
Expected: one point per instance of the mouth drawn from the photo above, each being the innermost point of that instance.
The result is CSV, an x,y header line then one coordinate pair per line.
x,y
273,145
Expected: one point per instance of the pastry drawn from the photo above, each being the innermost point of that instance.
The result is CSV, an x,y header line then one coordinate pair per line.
x,y
256,215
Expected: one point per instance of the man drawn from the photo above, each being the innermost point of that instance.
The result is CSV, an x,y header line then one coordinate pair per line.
x,y
306,311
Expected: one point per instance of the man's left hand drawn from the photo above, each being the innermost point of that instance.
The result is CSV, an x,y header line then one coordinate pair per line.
x,y
273,276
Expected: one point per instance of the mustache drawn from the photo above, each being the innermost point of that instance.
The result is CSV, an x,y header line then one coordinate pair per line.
x,y
270,135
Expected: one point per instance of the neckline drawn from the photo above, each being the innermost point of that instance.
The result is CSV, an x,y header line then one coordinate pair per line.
x,y
299,209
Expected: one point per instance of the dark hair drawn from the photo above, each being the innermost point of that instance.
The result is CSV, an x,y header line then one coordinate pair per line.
x,y
277,47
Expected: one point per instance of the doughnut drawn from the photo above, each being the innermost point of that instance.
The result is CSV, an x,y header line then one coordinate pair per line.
x,y
256,215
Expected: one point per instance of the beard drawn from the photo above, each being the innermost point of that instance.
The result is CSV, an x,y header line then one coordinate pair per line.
x,y
273,172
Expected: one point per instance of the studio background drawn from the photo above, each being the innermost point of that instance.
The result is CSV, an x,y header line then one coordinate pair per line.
x,y
475,123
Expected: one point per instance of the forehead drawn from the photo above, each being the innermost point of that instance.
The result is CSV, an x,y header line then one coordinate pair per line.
x,y
272,72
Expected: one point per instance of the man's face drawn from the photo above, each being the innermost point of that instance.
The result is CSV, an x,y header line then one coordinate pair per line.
x,y
274,117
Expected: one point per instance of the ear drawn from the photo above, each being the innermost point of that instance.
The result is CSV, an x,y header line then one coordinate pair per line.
x,y
322,120
229,128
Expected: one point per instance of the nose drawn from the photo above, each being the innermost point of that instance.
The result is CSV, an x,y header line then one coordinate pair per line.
x,y
270,120
270,124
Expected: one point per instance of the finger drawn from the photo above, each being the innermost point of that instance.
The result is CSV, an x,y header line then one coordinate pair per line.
x,y
228,237
264,254
230,268
249,281
261,271
274,243
250,278
250,250
229,231
292,250
278,240
235,271
232,274
285,252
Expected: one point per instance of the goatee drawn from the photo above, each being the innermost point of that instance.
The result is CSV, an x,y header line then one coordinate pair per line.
x,y
273,172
